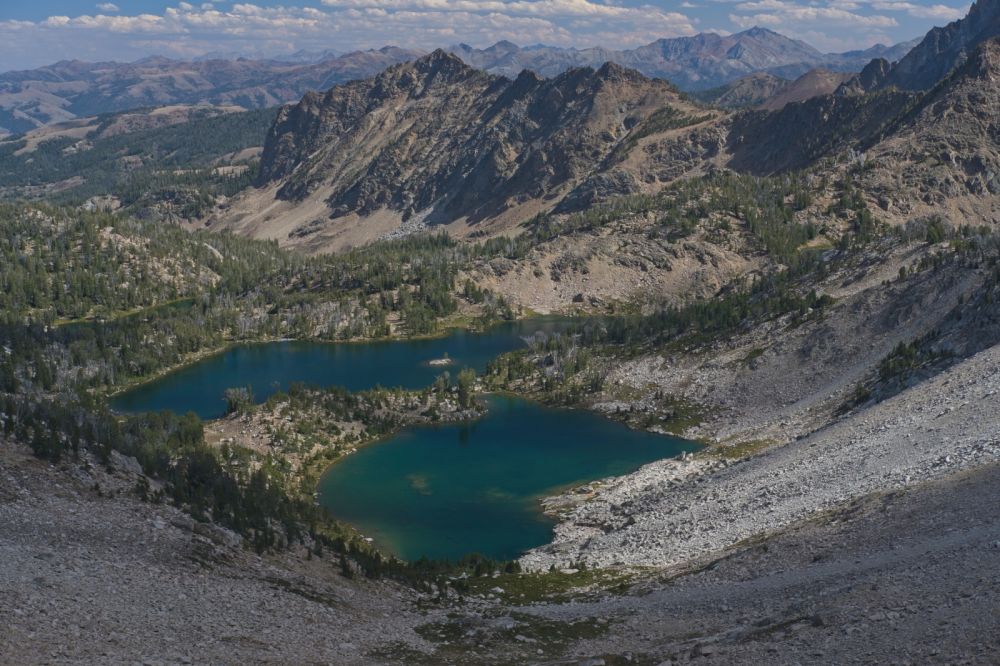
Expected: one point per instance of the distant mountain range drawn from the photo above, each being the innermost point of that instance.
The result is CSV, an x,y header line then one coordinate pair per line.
x,y
74,89
693,63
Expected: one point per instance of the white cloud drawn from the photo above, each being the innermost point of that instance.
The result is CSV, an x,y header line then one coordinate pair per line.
x,y
849,41
554,8
936,12
341,24
797,18
108,7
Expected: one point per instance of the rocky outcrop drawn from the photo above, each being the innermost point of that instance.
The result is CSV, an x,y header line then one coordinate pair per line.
x,y
443,140
942,157
944,49
438,142
927,147
870,78
800,134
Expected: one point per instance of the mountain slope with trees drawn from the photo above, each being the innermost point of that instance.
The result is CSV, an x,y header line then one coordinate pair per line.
x,y
813,293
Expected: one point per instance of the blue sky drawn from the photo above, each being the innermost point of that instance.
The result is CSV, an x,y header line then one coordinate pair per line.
x,y
38,32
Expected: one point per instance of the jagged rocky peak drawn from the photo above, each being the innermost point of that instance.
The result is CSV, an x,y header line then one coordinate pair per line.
x,y
440,61
612,71
872,77
874,73
527,75
984,63
320,118
504,45
944,49
436,68
438,138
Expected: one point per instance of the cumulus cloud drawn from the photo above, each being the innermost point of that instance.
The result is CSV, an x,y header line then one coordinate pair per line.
x,y
777,13
832,26
108,7
936,12
187,28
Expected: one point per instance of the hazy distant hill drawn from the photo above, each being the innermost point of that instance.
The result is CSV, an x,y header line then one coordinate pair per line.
x,y
699,62
73,89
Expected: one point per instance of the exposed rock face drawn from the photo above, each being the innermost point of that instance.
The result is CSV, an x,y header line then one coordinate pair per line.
x,y
870,78
71,89
799,134
813,83
941,144
439,138
945,150
945,48
438,142
710,59
748,91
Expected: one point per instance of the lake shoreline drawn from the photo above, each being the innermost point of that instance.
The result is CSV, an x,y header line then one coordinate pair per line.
x,y
403,364
531,437
196,357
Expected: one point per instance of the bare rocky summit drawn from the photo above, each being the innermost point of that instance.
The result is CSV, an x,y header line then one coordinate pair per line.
x,y
944,49
440,142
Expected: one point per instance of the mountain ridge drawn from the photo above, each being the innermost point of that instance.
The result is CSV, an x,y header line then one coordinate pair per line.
x,y
70,89
436,141
694,63
945,48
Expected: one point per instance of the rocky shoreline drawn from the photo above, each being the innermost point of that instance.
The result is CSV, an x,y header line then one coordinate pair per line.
x,y
674,510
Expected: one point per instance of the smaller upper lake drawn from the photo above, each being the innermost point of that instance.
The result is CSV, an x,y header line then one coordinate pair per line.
x,y
356,366
448,490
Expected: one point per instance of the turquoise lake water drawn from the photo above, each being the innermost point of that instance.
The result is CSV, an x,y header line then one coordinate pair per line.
x,y
448,490
437,491
356,366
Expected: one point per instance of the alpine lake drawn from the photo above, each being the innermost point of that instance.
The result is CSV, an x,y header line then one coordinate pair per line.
x,y
440,491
